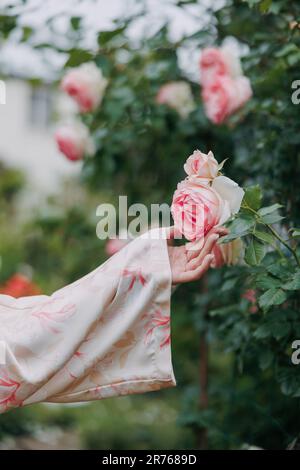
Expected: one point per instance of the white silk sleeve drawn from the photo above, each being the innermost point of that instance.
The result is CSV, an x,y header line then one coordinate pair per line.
x,y
106,335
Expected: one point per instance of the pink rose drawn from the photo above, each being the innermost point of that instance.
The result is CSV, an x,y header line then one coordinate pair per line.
x,y
202,165
212,65
73,141
251,296
228,253
225,96
201,203
178,96
197,208
216,62
86,85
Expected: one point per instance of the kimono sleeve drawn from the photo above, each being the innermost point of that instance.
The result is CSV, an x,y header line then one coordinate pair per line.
x,y
107,334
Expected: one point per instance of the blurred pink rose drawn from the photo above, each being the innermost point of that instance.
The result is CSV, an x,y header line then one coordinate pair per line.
x,y
178,96
202,165
197,208
114,245
225,96
212,65
228,253
86,85
216,62
73,141
251,296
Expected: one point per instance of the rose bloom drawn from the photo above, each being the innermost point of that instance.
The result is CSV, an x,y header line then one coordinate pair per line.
x,y
202,165
225,96
178,96
215,62
228,253
73,140
250,295
197,207
19,286
86,85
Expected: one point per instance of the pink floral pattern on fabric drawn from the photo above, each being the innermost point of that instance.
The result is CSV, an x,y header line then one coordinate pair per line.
x,y
93,338
52,315
162,322
8,390
134,275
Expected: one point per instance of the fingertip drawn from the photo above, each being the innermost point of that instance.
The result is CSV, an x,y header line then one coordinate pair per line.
x,y
208,260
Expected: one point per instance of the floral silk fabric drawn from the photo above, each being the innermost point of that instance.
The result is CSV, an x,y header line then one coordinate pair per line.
x,y
106,335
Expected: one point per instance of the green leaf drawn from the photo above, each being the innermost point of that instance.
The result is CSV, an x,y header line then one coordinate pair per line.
x,y
75,22
265,6
253,197
77,57
255,252
266,282
271,218
287,49
264,237
239,227
223,311
229,284
265,359
104,37
280,329
27,33
272,297
269,209
294,284
296,233
262,332
279,270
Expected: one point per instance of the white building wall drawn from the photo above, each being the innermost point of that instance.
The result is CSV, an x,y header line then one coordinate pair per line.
x,y
30,146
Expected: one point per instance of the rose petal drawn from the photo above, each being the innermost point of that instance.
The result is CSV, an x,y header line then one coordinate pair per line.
x,y
230,191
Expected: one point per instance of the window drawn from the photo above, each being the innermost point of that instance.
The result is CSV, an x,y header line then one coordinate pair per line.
x,y
40,106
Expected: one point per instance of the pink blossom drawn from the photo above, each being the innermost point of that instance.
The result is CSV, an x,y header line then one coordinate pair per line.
x,y
197,208
216,62
202,165
178,96
250,295
86,85
73,141
224,96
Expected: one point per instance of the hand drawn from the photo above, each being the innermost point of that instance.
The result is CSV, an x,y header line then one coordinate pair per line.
x,y
190,265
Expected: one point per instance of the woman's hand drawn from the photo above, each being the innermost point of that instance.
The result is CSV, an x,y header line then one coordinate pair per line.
x,y
190,265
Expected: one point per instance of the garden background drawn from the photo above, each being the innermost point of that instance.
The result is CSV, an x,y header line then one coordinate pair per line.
x,y
237,386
